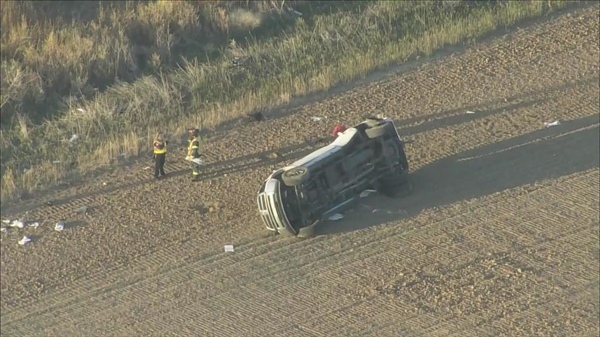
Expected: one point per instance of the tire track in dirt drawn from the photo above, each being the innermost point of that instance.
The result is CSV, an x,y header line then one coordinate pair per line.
x,y
479,141
304,281
311,131
220,268
325,266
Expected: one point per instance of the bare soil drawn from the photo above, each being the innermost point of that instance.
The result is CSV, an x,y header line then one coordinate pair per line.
x,y
501,235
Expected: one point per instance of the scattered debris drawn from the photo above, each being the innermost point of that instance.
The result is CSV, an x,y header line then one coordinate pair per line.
x,y
104,183
17,223
56,162
59,226
336,217
6,221
3,230
34,224
145,168
388,211
366,193
316,119
82,210
549,124
24,240
229,248
81,110
470,112
49,203
74,138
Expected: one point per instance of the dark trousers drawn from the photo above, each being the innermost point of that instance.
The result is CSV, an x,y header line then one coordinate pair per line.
x,y
159,164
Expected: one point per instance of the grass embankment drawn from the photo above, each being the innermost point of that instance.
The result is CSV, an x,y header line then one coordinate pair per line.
x,y
117,76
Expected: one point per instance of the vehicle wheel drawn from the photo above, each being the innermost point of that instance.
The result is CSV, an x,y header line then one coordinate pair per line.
x,y
378,130
373,121
295,176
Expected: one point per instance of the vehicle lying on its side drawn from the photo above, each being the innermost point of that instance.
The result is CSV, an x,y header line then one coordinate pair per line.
x,y
369,155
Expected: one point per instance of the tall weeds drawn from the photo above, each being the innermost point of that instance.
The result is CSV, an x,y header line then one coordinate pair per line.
x,y
119,74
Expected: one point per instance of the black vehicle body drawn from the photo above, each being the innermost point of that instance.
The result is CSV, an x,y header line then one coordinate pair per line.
x,y
330,180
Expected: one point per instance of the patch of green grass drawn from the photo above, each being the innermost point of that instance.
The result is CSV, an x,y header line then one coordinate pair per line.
x,y
116,99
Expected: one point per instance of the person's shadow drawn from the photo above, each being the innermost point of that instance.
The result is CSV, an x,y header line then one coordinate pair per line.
x,y
572,146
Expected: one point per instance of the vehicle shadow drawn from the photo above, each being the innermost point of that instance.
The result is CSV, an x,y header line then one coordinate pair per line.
x,y
550,153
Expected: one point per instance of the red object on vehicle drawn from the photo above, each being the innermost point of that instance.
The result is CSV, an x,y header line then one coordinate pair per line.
x,y
338,128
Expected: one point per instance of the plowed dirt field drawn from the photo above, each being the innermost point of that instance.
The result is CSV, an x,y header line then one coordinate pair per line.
x,y
500,238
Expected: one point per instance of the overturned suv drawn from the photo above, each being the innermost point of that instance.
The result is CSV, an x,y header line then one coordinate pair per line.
x,y
329,180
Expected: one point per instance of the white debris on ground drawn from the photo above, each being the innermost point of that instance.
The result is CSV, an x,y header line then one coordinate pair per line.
x,y
470,112
336,217
366,193
24,240
3,230
549,124
229,248
34,224
59,226
197,161
6,221
316,119
73,138
389,211
17,223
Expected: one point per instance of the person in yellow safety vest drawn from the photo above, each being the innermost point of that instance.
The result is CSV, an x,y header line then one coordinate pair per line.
x,y
194,152
160,155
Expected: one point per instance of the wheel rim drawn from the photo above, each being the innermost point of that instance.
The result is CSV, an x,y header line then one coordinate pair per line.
x,y
296,172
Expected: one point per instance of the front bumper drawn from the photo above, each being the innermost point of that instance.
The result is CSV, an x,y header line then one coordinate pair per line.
x,y
271,209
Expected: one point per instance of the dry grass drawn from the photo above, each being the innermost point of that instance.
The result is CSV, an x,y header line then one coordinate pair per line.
x,y
122,73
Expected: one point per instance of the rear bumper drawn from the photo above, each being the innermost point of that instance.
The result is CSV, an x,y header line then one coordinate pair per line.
x,y
271,209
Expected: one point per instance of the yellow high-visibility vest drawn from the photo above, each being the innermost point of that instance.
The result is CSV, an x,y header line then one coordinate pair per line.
x,y
191,145
159,147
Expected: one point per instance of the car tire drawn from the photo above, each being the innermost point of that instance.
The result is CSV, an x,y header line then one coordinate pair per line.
x,y
378,130
295,176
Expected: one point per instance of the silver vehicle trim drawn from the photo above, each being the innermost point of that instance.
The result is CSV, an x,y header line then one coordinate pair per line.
x,y
271,209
